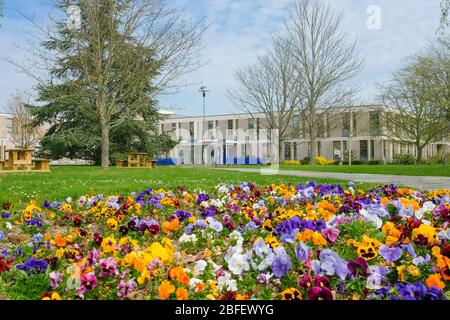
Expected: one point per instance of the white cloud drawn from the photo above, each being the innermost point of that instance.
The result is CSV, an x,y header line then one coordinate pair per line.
x,y
242,28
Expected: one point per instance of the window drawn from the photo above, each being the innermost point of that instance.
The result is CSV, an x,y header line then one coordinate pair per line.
x,y
372,149
374,123
336,150
251,123
192,154
287,150
9,123
210,125
345,124
295,120
363,150
319,148
191,129
174,126
346,130
303,124
327,126
230,124
323,126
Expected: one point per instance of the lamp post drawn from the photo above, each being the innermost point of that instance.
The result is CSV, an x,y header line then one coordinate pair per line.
x,y
203,90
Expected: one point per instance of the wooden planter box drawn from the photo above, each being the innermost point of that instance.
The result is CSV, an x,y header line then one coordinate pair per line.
x,y
42,165
121,163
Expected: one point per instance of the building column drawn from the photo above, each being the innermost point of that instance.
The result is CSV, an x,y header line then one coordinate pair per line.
x,y
369,149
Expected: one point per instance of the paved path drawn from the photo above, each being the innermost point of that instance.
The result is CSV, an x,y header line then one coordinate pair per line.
x,y
416,182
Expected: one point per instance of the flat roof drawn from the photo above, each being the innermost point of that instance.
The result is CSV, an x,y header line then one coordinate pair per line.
x,y
176,116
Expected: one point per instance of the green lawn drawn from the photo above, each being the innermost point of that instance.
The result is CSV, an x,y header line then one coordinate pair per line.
x,y
73,182
404,170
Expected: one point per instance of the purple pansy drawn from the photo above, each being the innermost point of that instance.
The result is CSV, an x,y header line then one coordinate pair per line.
x,y
390,254
107,267
302,252
281,264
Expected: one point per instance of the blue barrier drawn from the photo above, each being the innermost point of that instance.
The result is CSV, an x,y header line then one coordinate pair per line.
x,y
165,162
228,161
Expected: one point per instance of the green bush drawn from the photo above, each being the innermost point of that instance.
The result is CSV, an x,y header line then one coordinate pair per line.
x,y
437,159
376,162
359,162
406,159
305,160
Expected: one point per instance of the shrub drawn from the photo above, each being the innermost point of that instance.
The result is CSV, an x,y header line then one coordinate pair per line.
x,y
291,162
437,159
305,160
376,162
322,161
406,159
359,162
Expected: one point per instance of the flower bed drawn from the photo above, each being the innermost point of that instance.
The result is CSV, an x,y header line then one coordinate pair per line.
x,y
239,242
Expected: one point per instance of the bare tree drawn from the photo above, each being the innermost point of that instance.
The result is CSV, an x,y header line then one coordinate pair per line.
x,y
269,87
418,98
325,61
23,134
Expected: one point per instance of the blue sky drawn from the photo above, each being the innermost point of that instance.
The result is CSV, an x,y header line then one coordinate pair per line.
x,y
240,30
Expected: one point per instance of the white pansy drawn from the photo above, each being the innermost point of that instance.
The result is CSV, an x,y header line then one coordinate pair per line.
x,y
222,189
187,238
226,282
193,282
8,225
238,263
217,203
363,212
376,220
444,235
204,204
215,266
427,207
200,267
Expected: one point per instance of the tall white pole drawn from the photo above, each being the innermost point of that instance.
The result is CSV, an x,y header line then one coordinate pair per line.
x,y
204,128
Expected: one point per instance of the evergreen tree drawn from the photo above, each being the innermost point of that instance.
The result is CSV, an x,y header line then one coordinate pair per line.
x,y
107,72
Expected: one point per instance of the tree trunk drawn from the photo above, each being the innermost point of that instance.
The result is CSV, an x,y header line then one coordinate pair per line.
x,y
349,150
105,144
312,139
419,154
280,150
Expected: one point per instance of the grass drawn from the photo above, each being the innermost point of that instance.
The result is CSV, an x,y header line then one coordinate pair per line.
x,y
75,181
403,170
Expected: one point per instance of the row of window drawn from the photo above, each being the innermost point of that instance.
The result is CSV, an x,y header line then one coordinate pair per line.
x,y
324,127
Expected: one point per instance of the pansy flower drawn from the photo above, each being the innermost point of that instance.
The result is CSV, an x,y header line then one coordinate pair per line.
x,y
291,294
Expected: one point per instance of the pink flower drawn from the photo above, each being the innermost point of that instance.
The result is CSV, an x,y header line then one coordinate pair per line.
x,y
55,279
330,234
87,283
108,267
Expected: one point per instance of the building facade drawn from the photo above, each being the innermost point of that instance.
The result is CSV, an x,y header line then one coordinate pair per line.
x,y
245,138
